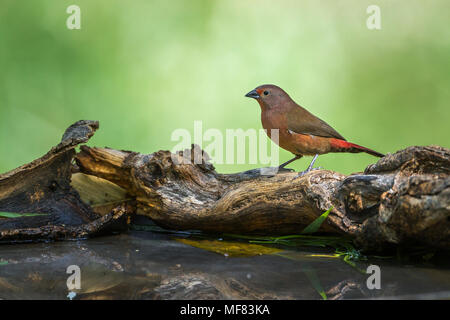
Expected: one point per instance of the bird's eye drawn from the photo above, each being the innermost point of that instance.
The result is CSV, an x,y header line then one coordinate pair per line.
x,y
266,93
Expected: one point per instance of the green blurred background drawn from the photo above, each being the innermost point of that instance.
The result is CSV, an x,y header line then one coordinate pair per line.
x,y
146,68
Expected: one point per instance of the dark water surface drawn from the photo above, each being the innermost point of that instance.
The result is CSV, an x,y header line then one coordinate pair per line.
x,y
147,265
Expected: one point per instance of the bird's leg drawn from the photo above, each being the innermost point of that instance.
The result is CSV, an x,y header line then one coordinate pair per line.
x,y
312,163
287,162
310,167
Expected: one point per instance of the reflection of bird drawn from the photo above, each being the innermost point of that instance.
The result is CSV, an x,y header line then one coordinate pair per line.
x,y
300,132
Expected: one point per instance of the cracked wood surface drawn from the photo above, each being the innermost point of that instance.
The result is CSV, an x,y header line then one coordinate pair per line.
x,y
402,199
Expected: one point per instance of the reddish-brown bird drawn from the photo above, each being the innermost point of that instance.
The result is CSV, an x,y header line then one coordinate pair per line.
x,y
300,132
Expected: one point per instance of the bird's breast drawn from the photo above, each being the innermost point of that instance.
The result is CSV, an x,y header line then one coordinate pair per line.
x,y
272,120
297,143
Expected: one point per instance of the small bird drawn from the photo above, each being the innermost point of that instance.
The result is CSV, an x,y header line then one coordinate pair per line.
x,y
300,132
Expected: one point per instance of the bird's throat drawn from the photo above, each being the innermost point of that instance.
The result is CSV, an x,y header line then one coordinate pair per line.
x,y
263,106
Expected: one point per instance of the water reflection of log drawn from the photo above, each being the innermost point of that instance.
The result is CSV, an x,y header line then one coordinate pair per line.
x,y
199,286
352,289
345,289
37,273
142,266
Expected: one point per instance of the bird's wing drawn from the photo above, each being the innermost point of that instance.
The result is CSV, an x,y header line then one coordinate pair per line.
x,y
302,121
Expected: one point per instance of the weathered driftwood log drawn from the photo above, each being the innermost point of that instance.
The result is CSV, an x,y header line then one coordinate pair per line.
x,y
43,186
403,199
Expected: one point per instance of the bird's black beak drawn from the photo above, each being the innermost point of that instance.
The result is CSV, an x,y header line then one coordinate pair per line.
x,y
253,94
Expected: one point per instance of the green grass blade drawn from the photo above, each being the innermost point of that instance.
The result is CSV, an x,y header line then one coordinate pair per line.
x,y
19,215
314,280
247,237
315,225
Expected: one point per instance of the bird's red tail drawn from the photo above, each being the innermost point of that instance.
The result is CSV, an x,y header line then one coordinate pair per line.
x,y
344,146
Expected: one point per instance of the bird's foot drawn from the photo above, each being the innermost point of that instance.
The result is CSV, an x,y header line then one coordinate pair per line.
x,y
284,169
267,171
302,173
272,171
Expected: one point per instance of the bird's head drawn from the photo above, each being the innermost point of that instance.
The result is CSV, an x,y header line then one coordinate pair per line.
x,y
268,96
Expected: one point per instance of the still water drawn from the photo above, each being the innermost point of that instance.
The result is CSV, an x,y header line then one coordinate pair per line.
x,y
149,265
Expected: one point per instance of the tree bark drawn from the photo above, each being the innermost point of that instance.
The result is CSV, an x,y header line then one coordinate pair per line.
x,y
403,199
43,186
